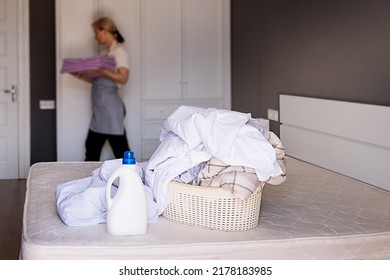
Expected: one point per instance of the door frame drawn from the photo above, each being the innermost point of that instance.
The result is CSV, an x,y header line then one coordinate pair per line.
x,y
23,81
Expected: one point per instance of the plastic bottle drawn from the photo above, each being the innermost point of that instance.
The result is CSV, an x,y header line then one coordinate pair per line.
x,y
127,210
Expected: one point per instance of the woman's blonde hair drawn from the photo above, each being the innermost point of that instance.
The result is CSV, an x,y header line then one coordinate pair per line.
x,y
105,23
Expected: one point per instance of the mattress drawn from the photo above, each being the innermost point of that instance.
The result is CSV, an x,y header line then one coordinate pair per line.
x,y
315,214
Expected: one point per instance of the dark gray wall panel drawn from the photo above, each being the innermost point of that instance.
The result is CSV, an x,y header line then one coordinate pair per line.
x,y
42,80
319,48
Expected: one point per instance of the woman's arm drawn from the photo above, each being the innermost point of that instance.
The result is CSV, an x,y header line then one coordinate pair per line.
x,y
120,76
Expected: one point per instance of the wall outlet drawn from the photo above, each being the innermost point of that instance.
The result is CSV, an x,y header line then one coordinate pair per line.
x,y
273,115
47,104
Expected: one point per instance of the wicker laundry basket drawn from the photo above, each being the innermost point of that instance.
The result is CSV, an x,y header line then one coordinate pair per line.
x,y
213,208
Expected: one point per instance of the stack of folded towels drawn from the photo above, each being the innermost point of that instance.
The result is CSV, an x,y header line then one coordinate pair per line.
x,y
82,65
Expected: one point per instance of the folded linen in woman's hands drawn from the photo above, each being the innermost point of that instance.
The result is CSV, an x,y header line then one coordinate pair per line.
x,y
83,65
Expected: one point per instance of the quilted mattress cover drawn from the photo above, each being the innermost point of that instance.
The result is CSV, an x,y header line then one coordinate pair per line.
x,y
315,214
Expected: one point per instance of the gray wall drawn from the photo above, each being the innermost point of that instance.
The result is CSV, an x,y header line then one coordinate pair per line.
x,y
338,49
320,48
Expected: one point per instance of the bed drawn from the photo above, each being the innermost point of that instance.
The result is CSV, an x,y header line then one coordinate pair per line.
x,y
316,214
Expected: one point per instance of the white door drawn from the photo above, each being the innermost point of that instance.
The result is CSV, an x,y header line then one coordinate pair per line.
x,y
161,49
8,90
204,57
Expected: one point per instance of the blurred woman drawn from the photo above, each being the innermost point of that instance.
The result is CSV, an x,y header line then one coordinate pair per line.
x,y
107,106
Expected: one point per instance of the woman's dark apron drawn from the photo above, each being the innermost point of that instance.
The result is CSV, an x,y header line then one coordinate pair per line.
x,y
108,110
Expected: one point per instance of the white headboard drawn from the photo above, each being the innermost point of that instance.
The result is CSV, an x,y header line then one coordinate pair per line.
x,y
349,138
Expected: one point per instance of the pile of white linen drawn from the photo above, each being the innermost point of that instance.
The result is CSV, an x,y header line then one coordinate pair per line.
x,y
190,137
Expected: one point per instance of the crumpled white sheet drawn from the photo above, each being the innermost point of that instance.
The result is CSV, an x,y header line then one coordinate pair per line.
x,y
82,202
190,136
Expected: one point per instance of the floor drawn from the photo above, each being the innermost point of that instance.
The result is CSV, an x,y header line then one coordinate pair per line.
x,y
12,194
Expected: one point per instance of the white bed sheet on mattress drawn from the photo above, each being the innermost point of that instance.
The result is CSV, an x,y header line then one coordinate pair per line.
x,y
315,214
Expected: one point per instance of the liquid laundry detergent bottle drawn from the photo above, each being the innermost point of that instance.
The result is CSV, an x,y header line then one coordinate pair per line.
x,y
127,210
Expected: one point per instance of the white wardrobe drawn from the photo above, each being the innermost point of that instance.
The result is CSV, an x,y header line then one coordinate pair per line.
x,y
179,54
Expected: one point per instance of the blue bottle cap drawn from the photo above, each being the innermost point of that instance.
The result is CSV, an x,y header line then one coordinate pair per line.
x,y
128,158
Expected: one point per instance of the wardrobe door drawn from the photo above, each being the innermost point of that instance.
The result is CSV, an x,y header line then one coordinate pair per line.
x,y
184,60
161,46
161,63
204,54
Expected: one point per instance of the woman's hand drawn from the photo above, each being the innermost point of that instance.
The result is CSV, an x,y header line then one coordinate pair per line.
x,y
82,77
76,75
